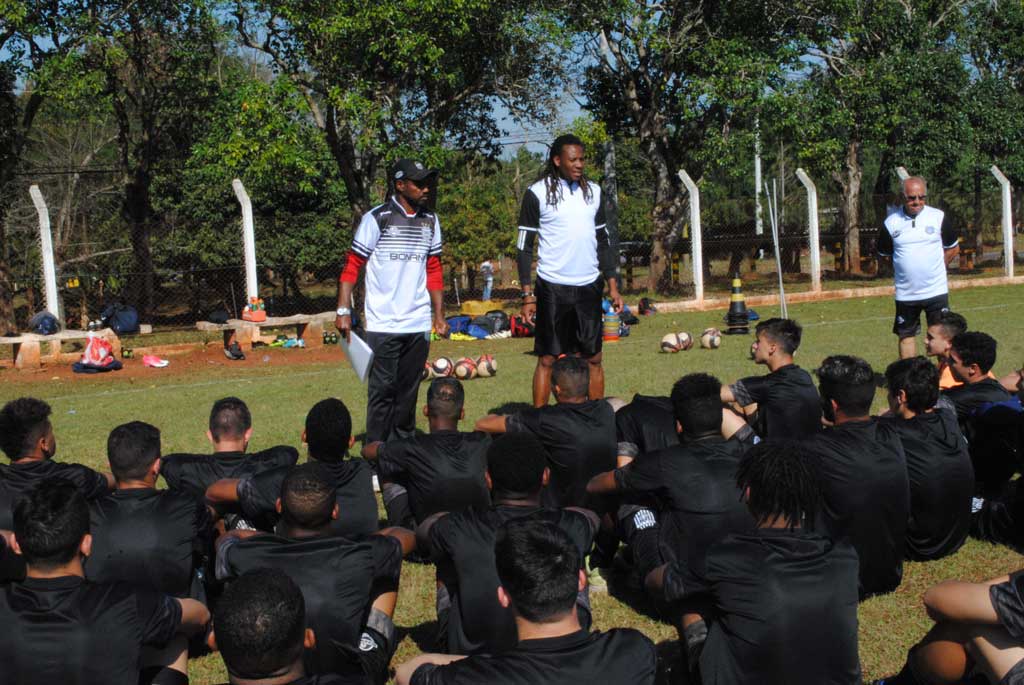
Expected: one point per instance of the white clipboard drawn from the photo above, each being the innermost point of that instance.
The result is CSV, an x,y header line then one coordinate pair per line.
x,y
359,355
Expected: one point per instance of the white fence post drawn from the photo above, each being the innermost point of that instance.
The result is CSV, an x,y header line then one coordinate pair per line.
x,y
901,171
248,240
1008,250
695,236
813,234
46,245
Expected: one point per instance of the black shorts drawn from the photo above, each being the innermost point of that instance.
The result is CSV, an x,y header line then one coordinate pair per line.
x,y
568,318
908,314
1015,676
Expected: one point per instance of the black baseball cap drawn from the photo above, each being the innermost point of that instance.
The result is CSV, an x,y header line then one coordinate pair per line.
x,y
412,170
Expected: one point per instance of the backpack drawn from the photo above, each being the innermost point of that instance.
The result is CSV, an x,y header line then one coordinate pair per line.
x,y
121,318
44,323
520,327
499,320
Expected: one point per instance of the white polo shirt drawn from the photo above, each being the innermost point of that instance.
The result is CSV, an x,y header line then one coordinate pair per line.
x,y
567,254
917,246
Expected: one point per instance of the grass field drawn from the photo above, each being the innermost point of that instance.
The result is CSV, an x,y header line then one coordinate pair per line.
x,y
86,408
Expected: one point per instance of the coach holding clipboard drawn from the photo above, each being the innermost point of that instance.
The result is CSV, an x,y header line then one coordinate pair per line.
x,y
399,242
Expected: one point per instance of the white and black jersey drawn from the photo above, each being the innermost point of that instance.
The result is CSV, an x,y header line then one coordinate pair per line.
x,y
917,246
396,247
575,248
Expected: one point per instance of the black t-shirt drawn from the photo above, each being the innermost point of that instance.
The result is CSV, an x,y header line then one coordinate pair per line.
x,y
621,656
462,546
941,484
68,630
695,486
785,609
580,440
648,422
12,566
152,538
866,497
339,579
196,472
968,397
18,479
788,404
331,679
357,507
443,471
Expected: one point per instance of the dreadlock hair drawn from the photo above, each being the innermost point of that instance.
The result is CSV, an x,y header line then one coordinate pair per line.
x,y
783,482
551,176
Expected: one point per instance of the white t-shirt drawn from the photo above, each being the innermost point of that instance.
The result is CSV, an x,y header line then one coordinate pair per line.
x,y
397,300
917,246
567,254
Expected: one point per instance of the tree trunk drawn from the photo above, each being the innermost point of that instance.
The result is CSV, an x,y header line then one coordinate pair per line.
x,y
664,219
850,181
138,214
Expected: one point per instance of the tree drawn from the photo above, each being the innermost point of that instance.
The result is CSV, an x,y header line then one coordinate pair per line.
x,y
885,75
394,77
678,76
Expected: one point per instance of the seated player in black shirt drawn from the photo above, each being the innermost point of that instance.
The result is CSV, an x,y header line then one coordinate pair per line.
x,y
864,474
443,471
784,596
328,435
693,482
229,432
979,628
539,568
149,537
60,627
644,425
26,437
260,631
350,587
971,357
784,403
579,434
470,619
938,466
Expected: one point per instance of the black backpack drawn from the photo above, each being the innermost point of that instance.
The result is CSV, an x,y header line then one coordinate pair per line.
x,y
121,318
499,319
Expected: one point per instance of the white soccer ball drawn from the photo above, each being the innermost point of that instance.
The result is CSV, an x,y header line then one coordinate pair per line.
x,y
711,339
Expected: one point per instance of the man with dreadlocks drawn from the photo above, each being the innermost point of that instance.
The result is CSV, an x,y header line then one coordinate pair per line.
x,y
784,597
574,258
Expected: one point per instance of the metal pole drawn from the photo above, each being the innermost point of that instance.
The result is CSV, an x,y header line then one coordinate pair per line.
x,y
46,244
252,289
758,221
813,232
1008,250
773,208
695,236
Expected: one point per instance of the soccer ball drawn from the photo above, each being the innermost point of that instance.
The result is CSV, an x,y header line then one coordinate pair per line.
x,y
486,366
465,369
711,339
442,366
671,343
685,340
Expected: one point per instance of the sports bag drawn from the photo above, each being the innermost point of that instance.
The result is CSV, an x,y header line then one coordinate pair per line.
x,y
458,324
499,320
521,328
44,323
121,318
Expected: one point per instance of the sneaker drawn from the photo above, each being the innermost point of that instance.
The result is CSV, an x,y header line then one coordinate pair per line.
x,y
234,352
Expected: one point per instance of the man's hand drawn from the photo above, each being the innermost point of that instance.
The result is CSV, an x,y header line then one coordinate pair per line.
x,y
344,326
529,311
441,326
615,297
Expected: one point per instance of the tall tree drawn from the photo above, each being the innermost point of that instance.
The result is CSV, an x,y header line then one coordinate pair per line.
x,y
397,76
679,75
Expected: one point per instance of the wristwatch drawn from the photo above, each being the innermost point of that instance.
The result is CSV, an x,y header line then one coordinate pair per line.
x,y
526,294
344,311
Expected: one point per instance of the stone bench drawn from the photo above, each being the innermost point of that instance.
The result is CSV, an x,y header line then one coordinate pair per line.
x,y
28,346
308,327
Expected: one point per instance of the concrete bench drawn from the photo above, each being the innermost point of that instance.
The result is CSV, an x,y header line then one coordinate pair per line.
x,y
28,346
308,327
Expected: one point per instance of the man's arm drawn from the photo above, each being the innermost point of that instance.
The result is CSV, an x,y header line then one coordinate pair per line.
x,y
950,240
406,538
403,674
951,253
224,491
727,396
492,423
602,483
371,450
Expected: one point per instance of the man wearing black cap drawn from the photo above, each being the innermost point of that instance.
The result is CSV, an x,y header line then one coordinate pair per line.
x,y
400,244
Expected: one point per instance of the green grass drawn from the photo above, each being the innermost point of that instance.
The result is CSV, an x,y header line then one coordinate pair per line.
x,y
85,409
